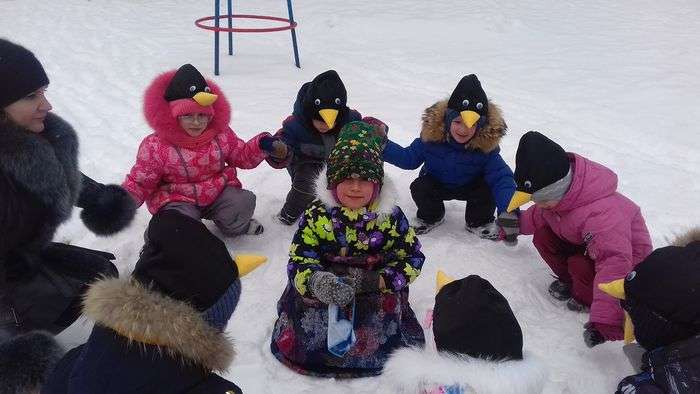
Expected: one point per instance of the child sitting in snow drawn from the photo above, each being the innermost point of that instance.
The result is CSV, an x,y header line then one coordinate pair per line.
x,y
478,346
458,148
320,111
345,307
585,230
189,163
661,298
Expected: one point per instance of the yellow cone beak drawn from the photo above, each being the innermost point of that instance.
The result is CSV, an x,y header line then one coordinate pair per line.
x,y
247,263
518,199
329,116
205,99
616,289
469,118
441,279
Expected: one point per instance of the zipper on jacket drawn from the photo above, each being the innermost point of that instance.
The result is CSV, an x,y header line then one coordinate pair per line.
x,y
187,174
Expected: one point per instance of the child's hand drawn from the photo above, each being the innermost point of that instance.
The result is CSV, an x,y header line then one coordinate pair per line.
x,y
510,224
274,146
330,289
365,281
597,333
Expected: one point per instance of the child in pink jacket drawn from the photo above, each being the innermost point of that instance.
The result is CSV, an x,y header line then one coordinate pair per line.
x,y
189,163
585,230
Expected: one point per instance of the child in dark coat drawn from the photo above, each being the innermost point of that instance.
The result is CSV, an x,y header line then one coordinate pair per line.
x,y
660,297
162,330
320,111
478,346
458,149
352,259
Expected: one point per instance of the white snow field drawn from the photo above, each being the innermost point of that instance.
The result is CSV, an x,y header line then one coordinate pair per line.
x,y
616,81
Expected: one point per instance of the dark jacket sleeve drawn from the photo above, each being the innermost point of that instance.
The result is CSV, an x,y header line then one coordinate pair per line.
x,y
408,158
499,177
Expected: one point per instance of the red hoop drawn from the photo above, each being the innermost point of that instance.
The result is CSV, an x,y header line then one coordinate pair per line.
x,y
199,23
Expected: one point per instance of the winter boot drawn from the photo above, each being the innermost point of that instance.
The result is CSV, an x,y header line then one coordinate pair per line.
x,y
255,227
285,219
576,306
560,290
424,227
486,231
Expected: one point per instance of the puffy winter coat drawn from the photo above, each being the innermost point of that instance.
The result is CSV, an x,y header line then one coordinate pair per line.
x,y
329,238
611,226
453,164
166,173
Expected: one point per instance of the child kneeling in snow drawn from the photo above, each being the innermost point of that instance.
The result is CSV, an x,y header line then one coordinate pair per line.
x,y
162,330
661,298
478,346
345,307
189,163
458,148
585,230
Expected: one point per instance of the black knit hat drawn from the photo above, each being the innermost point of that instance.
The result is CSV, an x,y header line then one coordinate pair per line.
x,y
661,296
185,261
539,162
471,317
468,95
325,91
20,73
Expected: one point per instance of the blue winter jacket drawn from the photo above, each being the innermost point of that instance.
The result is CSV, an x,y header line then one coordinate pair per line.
x,y
456,165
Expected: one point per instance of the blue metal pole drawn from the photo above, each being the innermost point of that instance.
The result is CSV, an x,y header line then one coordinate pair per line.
x,y
230,25
294,34
216,37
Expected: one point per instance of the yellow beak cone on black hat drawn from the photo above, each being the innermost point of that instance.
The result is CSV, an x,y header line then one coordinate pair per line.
x,y
246,263
329,116
518,199
469,118
616,289
441,279
205,99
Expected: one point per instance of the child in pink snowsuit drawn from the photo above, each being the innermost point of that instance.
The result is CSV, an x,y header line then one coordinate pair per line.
x,y
189,162
585,230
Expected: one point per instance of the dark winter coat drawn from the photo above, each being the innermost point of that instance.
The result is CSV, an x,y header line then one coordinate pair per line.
x,y
330,238
306,143
453,164
674,369
143,342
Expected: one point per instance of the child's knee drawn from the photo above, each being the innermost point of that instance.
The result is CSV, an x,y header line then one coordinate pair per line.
x,y
581,267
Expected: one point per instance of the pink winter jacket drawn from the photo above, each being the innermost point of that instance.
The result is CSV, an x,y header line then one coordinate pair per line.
x,y
166,173
608,223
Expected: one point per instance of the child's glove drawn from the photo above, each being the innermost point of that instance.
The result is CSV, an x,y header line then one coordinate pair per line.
x,y
510,224
380,128
274,146
364,281
597,333
330,289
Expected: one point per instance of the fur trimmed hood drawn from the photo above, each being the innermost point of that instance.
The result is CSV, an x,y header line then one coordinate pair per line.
x,y
485,140
409,370
388,195
157,111
144,315
690,236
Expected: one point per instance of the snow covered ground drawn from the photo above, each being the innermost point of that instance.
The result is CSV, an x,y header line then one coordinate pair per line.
x,y
613,81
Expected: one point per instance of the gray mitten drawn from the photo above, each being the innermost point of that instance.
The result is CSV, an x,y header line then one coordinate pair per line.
x,y
510,224
330,289
364,281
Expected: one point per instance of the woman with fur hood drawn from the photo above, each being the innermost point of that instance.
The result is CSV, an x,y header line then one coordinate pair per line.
x,y
458,148
41,282
163,329
189,162
345,307
477,348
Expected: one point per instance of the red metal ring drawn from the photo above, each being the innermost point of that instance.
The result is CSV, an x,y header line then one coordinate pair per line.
x,y
201,25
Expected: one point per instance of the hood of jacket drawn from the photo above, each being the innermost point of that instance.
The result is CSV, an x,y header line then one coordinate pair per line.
x,y
590,182
409,370
144,315
486,139
157,111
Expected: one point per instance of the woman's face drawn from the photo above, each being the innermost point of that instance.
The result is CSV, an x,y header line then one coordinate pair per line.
x,y
355,193
30,111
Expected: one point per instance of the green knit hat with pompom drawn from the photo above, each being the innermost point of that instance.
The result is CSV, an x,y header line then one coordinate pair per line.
x,y
357,154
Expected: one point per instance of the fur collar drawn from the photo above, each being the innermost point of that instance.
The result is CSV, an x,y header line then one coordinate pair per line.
x,y
44,164
144,315
412,369
486,139
387,196
690,236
